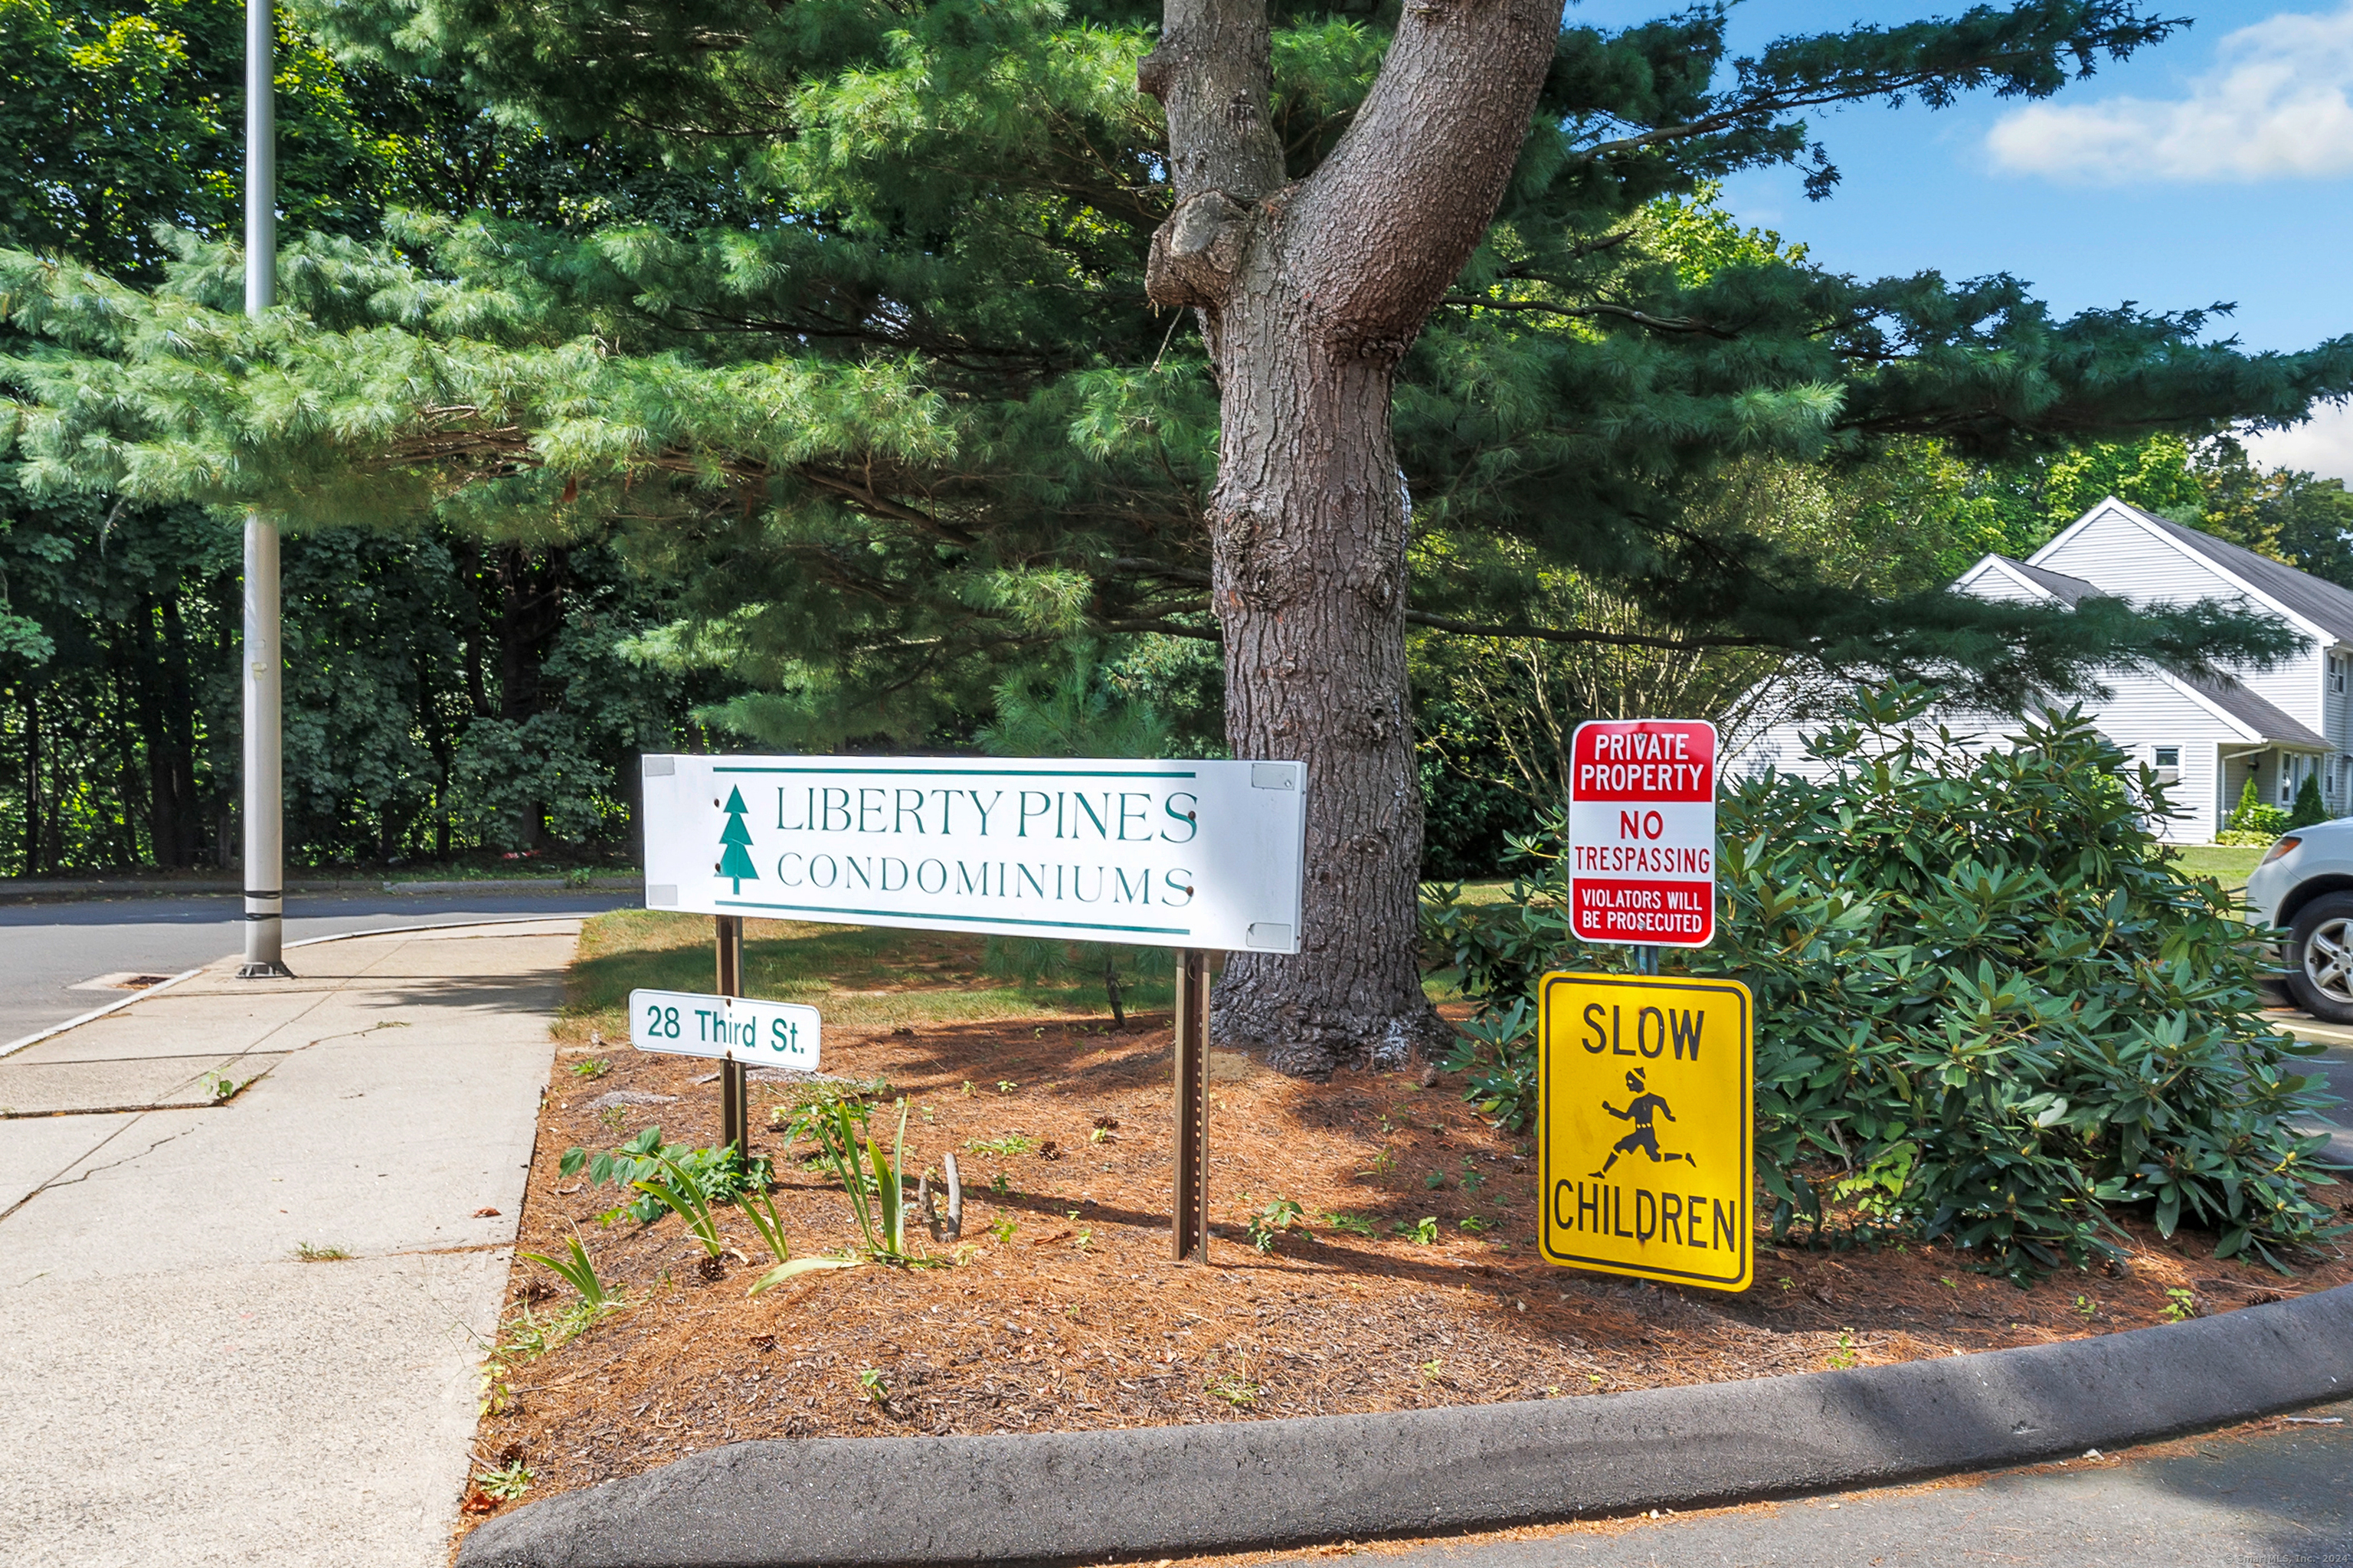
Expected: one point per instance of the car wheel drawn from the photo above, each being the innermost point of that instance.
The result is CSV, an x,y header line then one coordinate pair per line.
x,y
2320,958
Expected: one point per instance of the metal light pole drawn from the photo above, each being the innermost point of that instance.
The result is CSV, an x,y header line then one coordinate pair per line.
x,y
264,849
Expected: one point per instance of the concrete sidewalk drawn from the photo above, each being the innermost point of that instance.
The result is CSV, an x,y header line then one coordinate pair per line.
x,y
176,1387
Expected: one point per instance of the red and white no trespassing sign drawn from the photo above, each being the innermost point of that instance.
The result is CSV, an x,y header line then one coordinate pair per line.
x,y
1641,832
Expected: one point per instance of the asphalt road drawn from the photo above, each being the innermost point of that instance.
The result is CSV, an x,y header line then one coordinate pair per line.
x,y
46,949
2335,1067
2279,1499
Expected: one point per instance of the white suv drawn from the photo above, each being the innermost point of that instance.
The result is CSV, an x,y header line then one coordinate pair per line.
x,y
2304,884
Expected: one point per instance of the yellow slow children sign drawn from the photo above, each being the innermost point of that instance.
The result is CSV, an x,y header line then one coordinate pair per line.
x,y
1648,1094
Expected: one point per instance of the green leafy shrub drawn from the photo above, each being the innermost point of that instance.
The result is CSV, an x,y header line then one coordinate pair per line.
x,y
2252,816
2308,808
708,1175
1990,1008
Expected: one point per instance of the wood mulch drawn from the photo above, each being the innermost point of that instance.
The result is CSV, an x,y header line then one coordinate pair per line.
x,y
1066,1313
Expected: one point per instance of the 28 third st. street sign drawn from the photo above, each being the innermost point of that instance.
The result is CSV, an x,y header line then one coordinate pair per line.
x,y
1641,832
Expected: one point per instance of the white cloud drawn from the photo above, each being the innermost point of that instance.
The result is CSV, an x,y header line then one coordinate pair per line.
x,y
2273,107
2323,443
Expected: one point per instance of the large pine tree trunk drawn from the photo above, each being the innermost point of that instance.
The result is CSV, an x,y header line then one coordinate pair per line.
x,y
1309,586
1309,294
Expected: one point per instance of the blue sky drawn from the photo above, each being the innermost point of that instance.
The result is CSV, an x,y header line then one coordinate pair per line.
x,y
2216,166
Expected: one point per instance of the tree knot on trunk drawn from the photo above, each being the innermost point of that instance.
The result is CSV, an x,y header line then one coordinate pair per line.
x,y
1196,253
1155,72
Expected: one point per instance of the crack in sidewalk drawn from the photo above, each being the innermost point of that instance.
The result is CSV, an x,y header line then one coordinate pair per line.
x,y
54,1180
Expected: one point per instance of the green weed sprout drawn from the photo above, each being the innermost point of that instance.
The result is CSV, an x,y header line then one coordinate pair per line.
x,y
760,1210
507,1483
683,1196
1272,1221
876,1187
580,1273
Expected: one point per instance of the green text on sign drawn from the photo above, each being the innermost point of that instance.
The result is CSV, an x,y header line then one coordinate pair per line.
x,y
737,1028
1647,1090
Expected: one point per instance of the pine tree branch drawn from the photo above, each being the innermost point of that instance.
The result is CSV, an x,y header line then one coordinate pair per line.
x,y
867,499
2021,52
1164,628
1158,569
1627,312
1557,634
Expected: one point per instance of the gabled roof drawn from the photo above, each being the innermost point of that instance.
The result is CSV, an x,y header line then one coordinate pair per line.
x,y
2257,714
2319,601
2067,590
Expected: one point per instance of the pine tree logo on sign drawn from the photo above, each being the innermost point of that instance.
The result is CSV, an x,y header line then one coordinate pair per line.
x,y
736,864
1641,832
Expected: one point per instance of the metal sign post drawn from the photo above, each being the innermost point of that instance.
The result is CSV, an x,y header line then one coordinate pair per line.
x,y
735,1088
262,855
1660,1186
1189,1229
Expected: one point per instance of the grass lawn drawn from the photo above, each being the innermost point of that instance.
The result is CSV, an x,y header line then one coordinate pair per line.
x,y
867,977
858,977
2226,864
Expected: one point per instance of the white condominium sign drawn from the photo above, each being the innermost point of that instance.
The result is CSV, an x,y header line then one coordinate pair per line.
x,y
1174,854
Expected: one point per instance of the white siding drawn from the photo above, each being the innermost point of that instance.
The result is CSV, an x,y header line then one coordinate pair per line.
x,y
1993,580
2336,707
2146,712
1781,748
2234,776
2149,711
2296,686
2121,556
2116,554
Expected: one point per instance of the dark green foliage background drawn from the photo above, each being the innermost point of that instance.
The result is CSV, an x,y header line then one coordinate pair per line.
x,y
421,722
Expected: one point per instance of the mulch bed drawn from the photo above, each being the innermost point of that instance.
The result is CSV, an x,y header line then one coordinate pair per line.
x,y
1067,1312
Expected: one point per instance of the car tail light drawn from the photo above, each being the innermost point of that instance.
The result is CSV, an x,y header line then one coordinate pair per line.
x,y
2279,849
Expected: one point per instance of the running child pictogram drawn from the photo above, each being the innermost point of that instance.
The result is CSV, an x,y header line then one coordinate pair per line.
x,y
1645,1136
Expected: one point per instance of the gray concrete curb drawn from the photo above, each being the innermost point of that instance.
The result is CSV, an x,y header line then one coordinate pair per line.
x,y
1167,1491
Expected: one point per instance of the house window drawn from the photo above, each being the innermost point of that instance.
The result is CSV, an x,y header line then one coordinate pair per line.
x,y
2168,756
2335,672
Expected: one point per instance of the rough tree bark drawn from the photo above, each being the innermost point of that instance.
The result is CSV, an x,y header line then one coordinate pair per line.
x,y
1309,293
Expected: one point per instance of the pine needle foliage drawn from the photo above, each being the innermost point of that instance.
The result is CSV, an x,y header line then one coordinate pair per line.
x,y
893,402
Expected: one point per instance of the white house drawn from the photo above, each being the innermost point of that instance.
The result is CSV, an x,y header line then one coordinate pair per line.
x,y
2278,725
